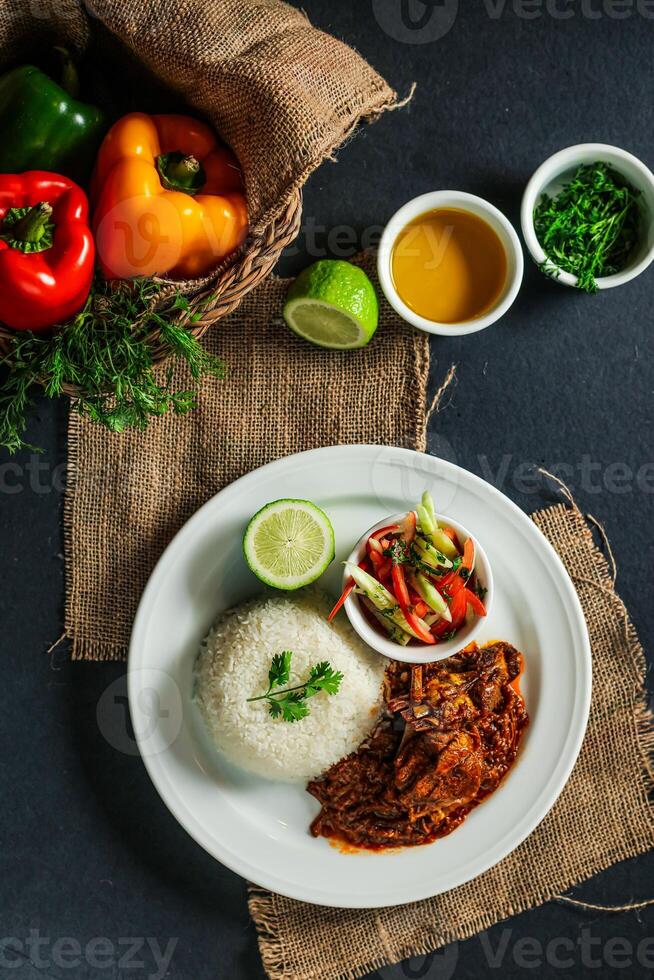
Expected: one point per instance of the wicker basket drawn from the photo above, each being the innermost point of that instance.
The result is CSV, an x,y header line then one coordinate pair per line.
x,y
283,95
222,293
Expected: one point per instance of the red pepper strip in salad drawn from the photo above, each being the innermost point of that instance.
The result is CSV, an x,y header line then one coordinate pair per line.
x,y
450,584
477,605
458,609
469,554
383,531
399,586
402,596
444,581
408,527
453,536
349,588
376,560
440,628
420,607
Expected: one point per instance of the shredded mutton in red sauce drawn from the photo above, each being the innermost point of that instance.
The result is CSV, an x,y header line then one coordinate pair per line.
x,y
450,733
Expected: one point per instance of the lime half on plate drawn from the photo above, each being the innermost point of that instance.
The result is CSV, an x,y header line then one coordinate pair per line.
x,y
333,304
289,543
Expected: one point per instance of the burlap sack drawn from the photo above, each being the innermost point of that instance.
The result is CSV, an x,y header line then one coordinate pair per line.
x,y
282,94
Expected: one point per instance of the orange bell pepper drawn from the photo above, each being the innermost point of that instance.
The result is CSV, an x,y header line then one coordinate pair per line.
x,y
168,199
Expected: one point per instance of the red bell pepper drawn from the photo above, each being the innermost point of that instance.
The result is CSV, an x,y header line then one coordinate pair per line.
x,y
46,250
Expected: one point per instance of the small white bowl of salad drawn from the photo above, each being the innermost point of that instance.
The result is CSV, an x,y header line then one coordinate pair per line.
x,y
418,587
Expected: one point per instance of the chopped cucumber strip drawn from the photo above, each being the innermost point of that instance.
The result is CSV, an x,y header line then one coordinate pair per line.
x,y
431,596
443,543
396,634
427,525
380,597
432,555
376,592
428,504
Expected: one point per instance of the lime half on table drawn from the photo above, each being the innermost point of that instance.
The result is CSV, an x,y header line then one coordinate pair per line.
x,y
289,543
333,304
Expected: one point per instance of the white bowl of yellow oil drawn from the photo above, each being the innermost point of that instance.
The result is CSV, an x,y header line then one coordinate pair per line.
x,y
450,263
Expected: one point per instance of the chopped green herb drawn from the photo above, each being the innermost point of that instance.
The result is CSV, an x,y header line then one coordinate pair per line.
x,y
416,561
397,552
290,704
591,227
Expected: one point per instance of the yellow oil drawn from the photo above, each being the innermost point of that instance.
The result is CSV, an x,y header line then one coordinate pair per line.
x,y
449,266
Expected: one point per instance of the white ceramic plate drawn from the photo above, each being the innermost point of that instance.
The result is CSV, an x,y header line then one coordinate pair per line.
x,y
260,829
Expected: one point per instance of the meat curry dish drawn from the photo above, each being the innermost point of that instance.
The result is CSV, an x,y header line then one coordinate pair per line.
x,y
449,734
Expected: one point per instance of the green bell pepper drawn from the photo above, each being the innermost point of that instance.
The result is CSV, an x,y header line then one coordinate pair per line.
x,y
44,127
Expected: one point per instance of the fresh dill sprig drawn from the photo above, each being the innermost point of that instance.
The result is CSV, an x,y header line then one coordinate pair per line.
x,y
591,227
289,704
106,352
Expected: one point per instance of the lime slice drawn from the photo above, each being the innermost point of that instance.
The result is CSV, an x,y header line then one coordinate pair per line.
x,y
289,543
333,304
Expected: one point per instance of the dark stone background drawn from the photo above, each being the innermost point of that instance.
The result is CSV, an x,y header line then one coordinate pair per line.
x,y
88,850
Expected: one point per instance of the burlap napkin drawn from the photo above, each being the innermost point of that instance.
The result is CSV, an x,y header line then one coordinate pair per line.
x,y
604,814
127,496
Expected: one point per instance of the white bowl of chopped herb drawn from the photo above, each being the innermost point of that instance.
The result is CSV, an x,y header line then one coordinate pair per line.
x,y
588,216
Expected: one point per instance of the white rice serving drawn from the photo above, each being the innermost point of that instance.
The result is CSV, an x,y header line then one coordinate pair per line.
x,y
233,665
